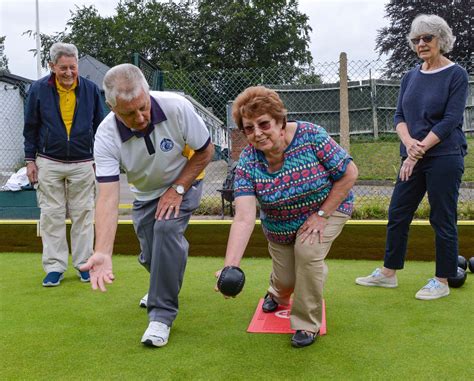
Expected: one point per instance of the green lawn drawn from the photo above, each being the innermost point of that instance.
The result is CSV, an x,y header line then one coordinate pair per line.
x,y
72,333
380,160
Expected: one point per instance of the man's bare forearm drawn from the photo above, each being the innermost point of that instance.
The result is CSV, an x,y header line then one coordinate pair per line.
x,y
106,216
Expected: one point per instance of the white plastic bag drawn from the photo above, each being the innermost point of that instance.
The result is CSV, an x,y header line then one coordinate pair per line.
x,y
16,181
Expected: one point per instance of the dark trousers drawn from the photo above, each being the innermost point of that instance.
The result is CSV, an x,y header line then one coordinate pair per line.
x,y
164,252
440,176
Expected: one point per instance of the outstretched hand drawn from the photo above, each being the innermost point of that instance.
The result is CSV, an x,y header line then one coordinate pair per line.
x,y
100,269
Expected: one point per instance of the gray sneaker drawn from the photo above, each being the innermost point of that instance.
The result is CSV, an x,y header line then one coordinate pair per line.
x,y
434,289
377,279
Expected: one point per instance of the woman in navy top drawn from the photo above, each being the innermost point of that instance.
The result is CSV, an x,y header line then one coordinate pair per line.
x,y
428,121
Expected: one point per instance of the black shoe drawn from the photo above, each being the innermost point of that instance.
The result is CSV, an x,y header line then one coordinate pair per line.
x,y
269,305
303,338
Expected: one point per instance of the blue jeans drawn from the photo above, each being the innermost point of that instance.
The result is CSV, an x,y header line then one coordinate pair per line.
x,y
440,176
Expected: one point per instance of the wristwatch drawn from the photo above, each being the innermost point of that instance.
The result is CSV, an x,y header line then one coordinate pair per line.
x,y
322,213
178,188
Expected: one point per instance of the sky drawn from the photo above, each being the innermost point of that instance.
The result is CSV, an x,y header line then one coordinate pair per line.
x,y
348,26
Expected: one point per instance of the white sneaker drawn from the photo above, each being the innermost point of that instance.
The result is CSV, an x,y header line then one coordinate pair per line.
x,y
156,335
434,289
144,301
377,279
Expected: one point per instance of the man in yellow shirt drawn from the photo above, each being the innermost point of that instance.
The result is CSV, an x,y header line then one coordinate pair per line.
x,y
62,113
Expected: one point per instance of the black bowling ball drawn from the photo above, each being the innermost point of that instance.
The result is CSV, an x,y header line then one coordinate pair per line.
x,y
471,264
462,263
458,280
231,281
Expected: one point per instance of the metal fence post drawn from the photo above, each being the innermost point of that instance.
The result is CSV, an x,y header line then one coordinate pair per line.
x,y
343,103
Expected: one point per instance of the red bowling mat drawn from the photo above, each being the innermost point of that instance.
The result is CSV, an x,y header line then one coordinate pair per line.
x,y
277,321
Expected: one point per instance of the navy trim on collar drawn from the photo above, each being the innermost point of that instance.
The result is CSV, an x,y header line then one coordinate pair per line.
x,y
156,115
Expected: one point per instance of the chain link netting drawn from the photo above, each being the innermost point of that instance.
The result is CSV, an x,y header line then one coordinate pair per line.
x,y
372,103
313,97
13,92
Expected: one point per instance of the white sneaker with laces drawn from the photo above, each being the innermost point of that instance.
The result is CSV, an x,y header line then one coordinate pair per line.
x,y
434,289
377,279
156,335
144,301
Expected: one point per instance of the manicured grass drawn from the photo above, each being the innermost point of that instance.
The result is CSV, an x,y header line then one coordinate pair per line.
x,y
376,160
380,160
70,332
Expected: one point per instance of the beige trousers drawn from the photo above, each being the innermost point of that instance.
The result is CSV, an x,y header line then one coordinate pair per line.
x,y
299,269
61,184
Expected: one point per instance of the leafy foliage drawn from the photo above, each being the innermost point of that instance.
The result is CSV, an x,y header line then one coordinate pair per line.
x,y
193,34
392,39
247,34
3,57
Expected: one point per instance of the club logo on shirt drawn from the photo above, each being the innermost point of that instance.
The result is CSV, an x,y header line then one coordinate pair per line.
x,y
166,145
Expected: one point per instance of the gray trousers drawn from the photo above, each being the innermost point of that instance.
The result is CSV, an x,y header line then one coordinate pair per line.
x,y
164,252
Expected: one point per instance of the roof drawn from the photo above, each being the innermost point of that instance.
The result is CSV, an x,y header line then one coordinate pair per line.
x,y
92,69
12,78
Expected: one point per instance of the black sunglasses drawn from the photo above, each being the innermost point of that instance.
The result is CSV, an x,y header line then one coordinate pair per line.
x,y
426,39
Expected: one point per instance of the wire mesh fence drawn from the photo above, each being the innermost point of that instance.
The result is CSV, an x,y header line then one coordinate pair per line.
x,y
13,91
311,96
372,103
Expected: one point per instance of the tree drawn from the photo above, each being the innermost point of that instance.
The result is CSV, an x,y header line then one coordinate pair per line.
x,y
392,39
244,34
212,49
192,34
154,30
3,57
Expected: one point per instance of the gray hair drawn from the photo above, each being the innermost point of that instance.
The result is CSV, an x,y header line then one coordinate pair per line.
x,y
124,81
435,25
60,49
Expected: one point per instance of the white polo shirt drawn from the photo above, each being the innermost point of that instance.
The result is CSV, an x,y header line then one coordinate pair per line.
x,y
152,160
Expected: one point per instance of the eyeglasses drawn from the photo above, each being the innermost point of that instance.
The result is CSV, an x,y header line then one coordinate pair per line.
x,y
263,125
426,39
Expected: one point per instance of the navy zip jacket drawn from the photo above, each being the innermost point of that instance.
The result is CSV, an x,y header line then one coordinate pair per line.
x,y
45,132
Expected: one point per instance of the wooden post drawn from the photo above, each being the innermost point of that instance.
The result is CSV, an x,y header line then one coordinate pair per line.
x,y
343,103
373,100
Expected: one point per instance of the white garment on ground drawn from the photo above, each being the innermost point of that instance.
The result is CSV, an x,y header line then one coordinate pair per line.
x,y
16,181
